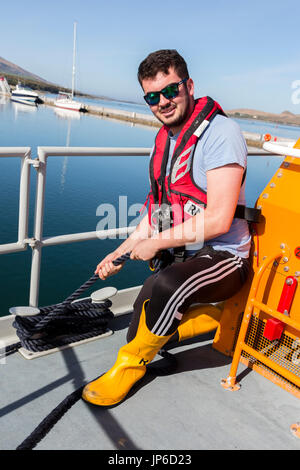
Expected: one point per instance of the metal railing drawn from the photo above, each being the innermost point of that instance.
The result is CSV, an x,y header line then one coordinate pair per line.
x,y
37,241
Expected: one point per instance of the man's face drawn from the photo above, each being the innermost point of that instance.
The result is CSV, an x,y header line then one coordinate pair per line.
x,y
176,111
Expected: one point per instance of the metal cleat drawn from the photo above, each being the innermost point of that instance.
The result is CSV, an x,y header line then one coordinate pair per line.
x,y
24,310
102,294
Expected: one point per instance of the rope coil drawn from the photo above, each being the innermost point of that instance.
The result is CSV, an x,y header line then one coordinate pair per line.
x,y
64,323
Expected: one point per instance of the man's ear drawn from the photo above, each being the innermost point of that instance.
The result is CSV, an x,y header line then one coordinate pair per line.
x,y
190,86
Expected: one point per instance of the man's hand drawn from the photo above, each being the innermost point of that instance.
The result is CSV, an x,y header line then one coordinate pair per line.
x,y
145,250
106,267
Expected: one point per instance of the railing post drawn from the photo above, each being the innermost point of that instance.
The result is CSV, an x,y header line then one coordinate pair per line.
x,y
38,229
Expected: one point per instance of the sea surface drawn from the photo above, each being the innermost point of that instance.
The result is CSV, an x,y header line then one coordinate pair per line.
x,y
77,186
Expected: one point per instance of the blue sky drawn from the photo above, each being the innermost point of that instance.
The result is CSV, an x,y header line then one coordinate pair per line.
x,y
245,54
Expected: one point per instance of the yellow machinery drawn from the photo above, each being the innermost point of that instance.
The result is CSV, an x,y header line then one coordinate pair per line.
x,y
260,326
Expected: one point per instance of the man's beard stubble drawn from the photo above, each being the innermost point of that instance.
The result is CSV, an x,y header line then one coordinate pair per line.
x,y
179,120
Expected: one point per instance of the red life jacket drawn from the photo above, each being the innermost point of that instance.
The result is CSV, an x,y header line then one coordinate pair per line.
x,y
176,197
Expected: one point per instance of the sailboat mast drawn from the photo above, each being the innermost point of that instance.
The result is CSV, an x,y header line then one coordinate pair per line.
x,y
74,55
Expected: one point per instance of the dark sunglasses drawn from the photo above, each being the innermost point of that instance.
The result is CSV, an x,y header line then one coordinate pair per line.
x,y
169,92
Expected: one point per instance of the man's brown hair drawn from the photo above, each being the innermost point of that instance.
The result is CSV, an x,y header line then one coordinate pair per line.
x,y
161,61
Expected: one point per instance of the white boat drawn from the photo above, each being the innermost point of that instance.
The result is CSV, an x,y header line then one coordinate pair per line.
x,y
24,95
66,100
24,101
4,87
67,114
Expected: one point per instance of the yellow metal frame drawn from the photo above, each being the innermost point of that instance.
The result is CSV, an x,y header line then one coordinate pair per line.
x,y
273,259
231,382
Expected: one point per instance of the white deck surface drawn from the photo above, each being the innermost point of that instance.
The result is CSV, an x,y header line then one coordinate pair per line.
x,y
185,410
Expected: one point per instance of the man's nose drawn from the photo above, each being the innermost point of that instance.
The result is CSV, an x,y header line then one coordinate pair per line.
x,y
163,101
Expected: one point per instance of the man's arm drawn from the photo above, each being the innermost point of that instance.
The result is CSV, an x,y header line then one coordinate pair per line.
x,y
223,188
106,268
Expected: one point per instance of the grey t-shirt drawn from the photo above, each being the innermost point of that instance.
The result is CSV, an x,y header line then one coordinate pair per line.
x,y
221,143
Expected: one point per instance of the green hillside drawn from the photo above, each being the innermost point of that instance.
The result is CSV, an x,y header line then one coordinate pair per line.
x,y
38,85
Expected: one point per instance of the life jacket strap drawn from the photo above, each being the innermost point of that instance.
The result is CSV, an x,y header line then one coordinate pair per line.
x,y
250,214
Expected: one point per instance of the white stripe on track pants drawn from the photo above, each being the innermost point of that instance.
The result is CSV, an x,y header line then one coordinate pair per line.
x,y
209,276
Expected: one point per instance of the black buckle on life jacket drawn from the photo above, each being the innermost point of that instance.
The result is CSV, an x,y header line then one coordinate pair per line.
x,y
165,217
250,214
162,259
179,254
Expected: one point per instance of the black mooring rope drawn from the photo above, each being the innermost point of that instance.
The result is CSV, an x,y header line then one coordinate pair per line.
x,y
54,416
47,424
61,324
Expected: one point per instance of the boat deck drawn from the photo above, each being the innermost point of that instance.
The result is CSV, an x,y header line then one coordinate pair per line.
x,y
187,409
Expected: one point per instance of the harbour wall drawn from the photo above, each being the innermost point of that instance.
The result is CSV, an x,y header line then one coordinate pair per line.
x,y
252,139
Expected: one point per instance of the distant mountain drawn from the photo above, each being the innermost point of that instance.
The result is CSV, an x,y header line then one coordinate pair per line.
x,y
286,117
13,69
14,74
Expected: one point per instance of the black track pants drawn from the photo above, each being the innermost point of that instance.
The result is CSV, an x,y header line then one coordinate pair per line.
x,y
208,276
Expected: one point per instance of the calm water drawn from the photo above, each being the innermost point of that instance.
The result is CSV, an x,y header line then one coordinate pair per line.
x,y
75,188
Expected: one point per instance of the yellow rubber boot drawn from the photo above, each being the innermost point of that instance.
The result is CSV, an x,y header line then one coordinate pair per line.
x,y
199,320
130,366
